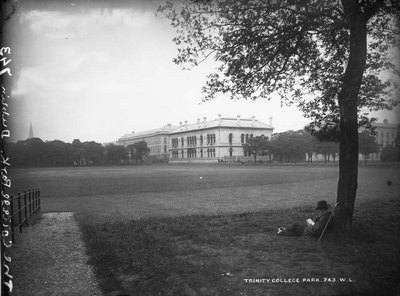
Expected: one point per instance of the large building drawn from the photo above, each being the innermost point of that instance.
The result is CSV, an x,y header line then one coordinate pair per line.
x,y
202,141
157,141
385,135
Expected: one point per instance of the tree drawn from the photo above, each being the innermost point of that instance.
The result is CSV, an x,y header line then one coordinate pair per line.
x,y
313,53
58,153
390,153
310,144
258,145
289,146
327,148
367,144
94,152
138,150
116,154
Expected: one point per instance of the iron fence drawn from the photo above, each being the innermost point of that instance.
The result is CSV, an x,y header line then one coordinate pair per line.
x,y
23,206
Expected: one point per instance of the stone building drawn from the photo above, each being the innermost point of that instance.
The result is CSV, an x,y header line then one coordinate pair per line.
x,y
157,141
203,141
386,134
215,140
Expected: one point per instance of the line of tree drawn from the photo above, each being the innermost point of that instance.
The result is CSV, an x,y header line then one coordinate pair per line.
x,y
300,146
35,152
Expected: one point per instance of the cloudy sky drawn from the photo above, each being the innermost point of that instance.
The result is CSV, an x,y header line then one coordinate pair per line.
x,y
95,71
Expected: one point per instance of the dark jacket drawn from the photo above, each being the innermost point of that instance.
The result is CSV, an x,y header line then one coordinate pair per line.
x,y
319,225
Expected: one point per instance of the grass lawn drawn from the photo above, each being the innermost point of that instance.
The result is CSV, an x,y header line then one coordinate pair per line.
x,y
163,230
227,254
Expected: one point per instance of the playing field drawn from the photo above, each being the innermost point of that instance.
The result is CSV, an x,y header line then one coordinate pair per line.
x,y
163,190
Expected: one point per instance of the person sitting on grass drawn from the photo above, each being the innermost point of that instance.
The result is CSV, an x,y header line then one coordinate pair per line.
x,y
311,227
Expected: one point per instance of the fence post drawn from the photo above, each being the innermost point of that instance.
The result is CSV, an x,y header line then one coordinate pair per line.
x,y
39,198
30,202
25,209
19,212
34,201
12,218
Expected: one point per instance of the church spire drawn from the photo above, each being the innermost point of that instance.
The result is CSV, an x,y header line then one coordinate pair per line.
x,y
30,131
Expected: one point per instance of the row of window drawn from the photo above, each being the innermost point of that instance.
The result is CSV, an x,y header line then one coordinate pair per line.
x,y
192,141
246,137
192,153
387,135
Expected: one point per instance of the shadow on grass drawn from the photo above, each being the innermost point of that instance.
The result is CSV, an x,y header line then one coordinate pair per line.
x,y
236,254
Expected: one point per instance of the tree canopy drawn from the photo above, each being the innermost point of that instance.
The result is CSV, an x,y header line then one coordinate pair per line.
x,y
258,145
367,144
138,150
298,49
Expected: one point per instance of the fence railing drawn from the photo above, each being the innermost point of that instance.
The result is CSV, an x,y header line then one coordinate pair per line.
x,y
24,205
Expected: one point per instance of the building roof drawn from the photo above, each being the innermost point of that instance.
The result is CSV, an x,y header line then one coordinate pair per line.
x,y
228,122
161,130
222,122
386,125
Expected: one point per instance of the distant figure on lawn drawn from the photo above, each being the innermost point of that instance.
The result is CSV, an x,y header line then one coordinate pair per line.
x,y
311,227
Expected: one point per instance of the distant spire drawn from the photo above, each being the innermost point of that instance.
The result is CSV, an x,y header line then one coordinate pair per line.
x,y
30,131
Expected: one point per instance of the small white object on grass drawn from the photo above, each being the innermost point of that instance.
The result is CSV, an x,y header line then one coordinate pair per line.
x,y
201,178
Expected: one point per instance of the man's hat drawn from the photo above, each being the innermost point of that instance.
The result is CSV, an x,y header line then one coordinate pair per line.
x,y
322,204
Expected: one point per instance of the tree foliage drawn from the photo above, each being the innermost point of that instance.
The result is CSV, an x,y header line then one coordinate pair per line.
x,y
116,154
289,146
298,49
258,145
367,144
36,153
390,153
138,150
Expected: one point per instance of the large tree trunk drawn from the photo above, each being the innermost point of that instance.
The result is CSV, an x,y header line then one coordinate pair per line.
x,y
348,102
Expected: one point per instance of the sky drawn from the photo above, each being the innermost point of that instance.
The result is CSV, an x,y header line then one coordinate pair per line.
x,y
94,71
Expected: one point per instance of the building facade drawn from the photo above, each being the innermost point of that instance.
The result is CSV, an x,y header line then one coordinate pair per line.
x,y
385,135
204,141
157,141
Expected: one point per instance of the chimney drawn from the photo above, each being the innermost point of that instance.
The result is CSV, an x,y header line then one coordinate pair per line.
x,y
238,120
198,122
169,127
185,124
270,121
205,124
253,120
219,119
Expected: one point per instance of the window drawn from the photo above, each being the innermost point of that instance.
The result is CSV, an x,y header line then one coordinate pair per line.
x,y
201,141
230,139
242,138
230,152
